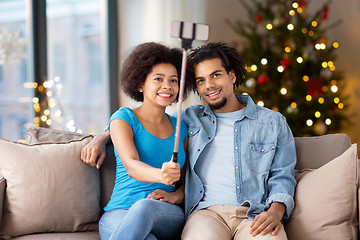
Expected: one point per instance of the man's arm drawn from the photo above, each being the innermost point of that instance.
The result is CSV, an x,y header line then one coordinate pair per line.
x,y
281,185
95,151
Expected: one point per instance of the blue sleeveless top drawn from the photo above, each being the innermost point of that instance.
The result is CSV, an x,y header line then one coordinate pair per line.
x,y
152,151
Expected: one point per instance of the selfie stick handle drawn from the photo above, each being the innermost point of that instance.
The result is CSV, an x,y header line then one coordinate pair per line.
x,y
181,96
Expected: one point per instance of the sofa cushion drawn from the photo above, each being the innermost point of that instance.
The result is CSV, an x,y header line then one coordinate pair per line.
x,y
42,135
326,201
49,189
308,154
2,194
89,235
107,170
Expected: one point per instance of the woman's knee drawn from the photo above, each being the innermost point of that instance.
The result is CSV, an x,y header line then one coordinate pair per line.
x,y
147,206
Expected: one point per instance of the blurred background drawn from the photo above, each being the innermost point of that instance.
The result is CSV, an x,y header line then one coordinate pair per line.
x,y
60,59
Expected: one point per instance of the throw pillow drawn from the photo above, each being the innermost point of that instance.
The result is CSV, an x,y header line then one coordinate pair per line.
x,y
49,189
325,201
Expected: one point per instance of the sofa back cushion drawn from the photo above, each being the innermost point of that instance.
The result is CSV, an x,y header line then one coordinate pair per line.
x,y
107,170
49,188
314,152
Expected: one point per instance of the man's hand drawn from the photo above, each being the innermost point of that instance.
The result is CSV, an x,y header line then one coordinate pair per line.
x,y
269,221
95,151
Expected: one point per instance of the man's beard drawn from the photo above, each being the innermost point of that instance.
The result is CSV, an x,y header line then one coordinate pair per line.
x,y
218,105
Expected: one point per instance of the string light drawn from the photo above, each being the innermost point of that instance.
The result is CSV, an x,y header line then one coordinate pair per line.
x,y
305,78
308,98
293,105
269,26
314,23
280,68
292,12
295,5
253,67
290,26
335,44
264,61
328,121
340,105
47,112
334,89
309,122
35,100
320,46
260,103
336,100
321,100
317,114
52,87
299,59
283,91
287,49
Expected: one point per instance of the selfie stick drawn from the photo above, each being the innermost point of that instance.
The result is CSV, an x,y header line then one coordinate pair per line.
x,y
187,32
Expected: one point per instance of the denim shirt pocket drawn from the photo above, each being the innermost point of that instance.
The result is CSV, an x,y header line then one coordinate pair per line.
x,y
261,156
193,131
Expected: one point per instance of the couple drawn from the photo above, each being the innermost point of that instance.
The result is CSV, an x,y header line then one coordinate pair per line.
x,y
239,158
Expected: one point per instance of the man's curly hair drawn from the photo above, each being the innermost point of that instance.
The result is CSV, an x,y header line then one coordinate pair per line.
x,y
230,59
140,63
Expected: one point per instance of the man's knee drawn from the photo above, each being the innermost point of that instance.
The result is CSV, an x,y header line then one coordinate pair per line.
x,y
205,225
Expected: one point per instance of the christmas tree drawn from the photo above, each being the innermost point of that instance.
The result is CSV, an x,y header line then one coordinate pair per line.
x,y
290,64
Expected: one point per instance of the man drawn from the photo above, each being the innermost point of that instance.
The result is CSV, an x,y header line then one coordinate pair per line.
x,y
241,156
240,177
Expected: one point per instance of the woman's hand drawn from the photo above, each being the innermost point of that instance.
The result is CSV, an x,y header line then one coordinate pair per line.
x,y
94,152
170,173
173,197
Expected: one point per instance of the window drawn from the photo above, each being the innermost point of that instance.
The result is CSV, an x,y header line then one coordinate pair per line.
x,y
75,55
16,110
67,69
95,64
59,61
1,75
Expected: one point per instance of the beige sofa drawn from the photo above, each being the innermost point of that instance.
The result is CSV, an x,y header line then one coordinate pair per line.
x,y
47,192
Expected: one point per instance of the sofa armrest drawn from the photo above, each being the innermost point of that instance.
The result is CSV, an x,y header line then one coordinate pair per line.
x,y
2,195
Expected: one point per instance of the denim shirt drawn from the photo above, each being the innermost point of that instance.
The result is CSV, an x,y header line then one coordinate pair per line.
x,y
264,154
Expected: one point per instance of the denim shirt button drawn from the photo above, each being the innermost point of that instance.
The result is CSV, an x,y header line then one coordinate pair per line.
x,y
235,130
236,148
190,132
236,168
199,149
200,191
238,187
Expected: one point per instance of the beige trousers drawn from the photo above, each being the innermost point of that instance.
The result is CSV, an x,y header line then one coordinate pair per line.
x,y
220,222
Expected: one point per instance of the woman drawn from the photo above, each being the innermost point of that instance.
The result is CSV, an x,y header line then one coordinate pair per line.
x,y
144,202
